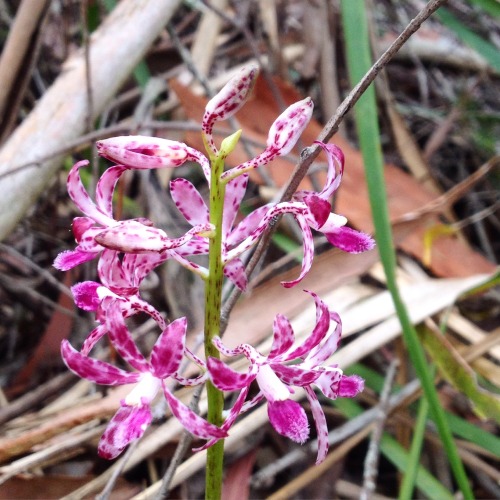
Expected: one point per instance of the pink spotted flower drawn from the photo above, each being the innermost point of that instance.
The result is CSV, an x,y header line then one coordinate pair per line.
x,y
311,210
134,415
99,230
276,377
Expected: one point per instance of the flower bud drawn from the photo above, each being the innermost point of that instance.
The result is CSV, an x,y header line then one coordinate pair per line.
x,y
133,237
136,151
230,98
288,127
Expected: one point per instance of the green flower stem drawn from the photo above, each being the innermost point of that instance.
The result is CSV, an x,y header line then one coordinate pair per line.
x,y
213,303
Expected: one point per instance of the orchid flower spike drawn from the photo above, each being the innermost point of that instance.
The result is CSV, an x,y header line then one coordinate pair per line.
x,y
285,367
134,415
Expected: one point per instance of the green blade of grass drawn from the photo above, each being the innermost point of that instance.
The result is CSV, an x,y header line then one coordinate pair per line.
x,y
486,49
492,7
359,61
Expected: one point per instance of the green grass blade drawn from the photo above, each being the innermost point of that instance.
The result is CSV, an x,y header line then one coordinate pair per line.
x,y
492,7
359,62
410,476
486,49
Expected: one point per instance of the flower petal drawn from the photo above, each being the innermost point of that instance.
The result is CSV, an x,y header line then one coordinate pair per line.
x,y
106,187
349,240
350,386
317,335
68,259
189,202
319,210
92,338
228,100
245,228
283,336
166,355
320,422
86,296
235,271
95,370
289,419
191,421
308,249
226,379
287,128
322,352
121,338
329,381
132,236
82,200
128,424
335,169
295,375
235,191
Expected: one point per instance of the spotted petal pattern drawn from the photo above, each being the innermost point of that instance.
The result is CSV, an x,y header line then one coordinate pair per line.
x,y
134,415
276,377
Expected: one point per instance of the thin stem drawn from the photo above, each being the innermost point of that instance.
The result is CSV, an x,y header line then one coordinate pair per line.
x,y
213,302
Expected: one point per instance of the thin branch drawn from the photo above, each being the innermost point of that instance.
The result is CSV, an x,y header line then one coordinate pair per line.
x,y
373,453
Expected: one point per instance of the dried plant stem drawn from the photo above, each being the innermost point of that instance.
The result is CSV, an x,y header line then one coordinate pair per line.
x,y
372,456
117,471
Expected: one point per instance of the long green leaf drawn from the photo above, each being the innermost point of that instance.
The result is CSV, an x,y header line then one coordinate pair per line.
x,y
486,49
490,6
359,62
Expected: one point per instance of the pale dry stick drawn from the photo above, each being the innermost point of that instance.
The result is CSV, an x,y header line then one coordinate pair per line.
x,y
188,60
237,22
310,153
50,454
205,39
117,46
372,456
30,399
19,39
108,489
88,67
